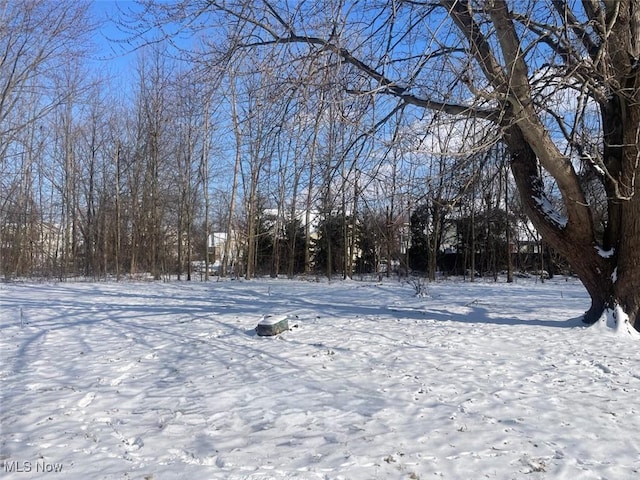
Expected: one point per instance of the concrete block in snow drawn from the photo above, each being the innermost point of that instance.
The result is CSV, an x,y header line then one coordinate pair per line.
x,y
272,325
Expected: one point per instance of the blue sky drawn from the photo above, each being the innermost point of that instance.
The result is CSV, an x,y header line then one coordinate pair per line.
x,y
117,57
116,52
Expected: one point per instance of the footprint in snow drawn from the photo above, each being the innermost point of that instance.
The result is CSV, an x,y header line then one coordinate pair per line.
x,y
86,400
117,381
125,369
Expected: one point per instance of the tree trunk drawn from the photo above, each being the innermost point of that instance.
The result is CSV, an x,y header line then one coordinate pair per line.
x,y
592,268
433,241
307,221
611,272
291,240
507,224
204,177
117,232
236,170
611,276
626,250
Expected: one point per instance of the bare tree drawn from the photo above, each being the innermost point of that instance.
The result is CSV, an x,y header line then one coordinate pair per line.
x,y
151,164
94,182
37,40
237,134
257,126
204,172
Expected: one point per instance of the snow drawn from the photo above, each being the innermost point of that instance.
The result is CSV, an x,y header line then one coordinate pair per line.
x,y
549,210
605,253
170,381
272,319
618,321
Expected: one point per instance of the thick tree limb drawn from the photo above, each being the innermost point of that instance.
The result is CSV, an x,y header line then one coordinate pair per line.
x,y
385,84
557,164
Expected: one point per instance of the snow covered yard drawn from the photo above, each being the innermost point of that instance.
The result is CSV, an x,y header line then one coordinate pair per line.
x,y
169,381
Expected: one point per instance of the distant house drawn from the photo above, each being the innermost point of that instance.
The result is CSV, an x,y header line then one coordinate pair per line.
x,y
216,243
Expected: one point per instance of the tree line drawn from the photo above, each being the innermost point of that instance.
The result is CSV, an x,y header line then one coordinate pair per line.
x,y
105,183
367,132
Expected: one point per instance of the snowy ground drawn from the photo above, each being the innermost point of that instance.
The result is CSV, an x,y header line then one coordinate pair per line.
x,y
169,381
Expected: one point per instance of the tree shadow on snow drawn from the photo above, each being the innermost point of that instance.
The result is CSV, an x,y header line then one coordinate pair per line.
x,y
480,314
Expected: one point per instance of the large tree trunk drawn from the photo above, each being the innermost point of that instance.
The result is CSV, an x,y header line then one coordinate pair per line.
x,y
612,278
626,237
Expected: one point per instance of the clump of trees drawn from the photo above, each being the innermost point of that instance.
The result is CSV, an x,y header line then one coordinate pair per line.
x,y
556,81
369,132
